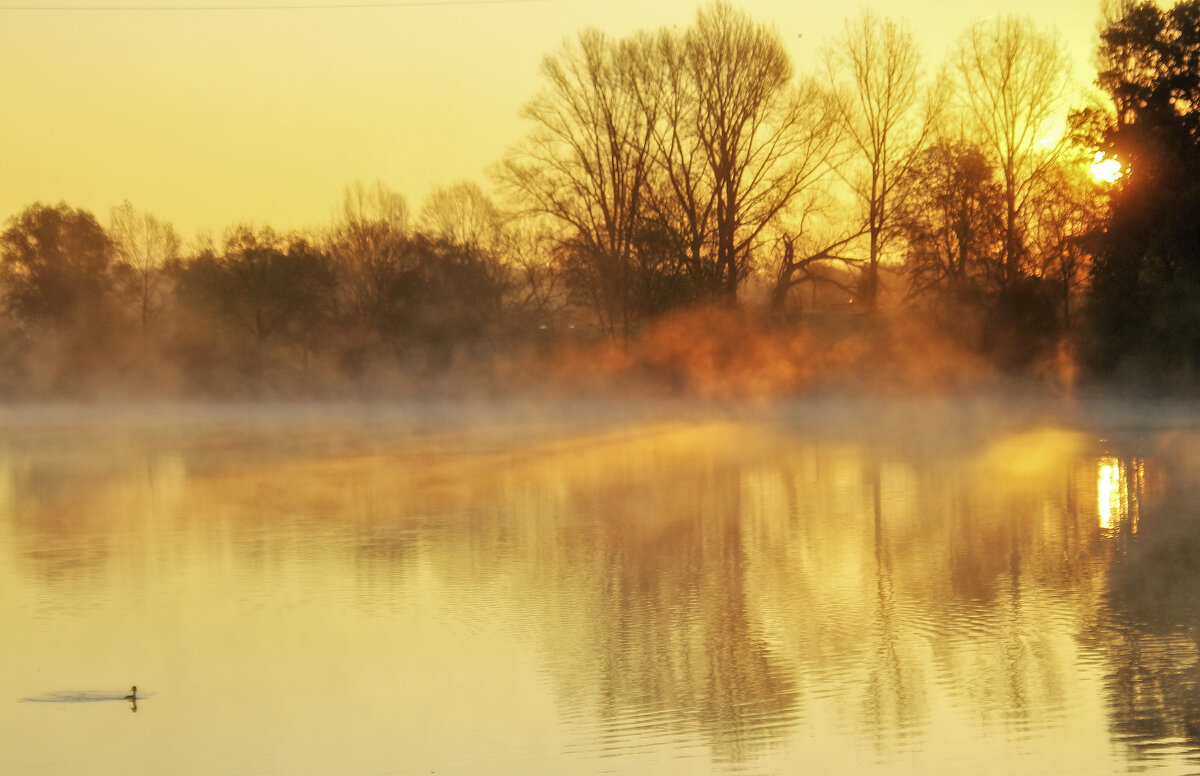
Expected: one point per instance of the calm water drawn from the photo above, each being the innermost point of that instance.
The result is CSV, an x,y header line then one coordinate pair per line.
x,y
366,591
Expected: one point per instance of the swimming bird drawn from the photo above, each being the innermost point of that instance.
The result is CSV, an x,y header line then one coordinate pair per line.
x,y
132,696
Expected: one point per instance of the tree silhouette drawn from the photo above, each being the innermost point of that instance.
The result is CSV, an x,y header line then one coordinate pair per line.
x,y
144,246
951,219
55,261
1065,206
584,166
875,71
666,157
369,245
464,214
764,140
262,290
1145,288
1011,92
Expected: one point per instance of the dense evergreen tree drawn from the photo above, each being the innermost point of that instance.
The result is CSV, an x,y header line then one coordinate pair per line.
x,y
1145,299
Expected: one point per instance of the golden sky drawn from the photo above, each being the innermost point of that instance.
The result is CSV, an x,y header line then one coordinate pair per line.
x,y
211,117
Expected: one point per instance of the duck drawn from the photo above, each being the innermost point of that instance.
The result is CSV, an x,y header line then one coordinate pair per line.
x,y
132,696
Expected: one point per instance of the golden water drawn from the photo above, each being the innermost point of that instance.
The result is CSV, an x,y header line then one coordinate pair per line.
x,y
378,593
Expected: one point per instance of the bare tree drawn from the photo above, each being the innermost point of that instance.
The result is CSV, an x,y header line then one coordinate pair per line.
x,y
1012,86
535,293
370,246
874,71
765,140
666,157
584,166
363,204
464,214
814,263
1067,205
144,244
681,197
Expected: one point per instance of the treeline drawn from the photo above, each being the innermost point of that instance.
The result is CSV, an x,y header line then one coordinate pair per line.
x,y
871,201
376,294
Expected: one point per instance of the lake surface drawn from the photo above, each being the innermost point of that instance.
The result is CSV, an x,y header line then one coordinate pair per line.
x,y
369,590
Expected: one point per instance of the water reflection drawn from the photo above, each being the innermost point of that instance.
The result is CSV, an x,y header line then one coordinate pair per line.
x,y
664,598
626,557
1150,630
1120,486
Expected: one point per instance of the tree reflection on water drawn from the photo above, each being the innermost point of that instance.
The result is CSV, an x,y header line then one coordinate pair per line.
x,y
745,592
1149,628
638,588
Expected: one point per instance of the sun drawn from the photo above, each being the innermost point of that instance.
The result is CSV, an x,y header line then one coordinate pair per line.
x,y
1106,169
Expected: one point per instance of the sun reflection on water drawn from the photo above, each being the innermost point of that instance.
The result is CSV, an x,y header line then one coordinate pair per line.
x,y
1118,487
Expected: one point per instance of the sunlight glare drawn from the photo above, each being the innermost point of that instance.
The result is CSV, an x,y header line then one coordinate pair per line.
x,y
1109,499
1119,489
1106,169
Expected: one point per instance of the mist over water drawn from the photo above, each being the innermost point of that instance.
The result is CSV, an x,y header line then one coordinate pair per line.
x,y
934,588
